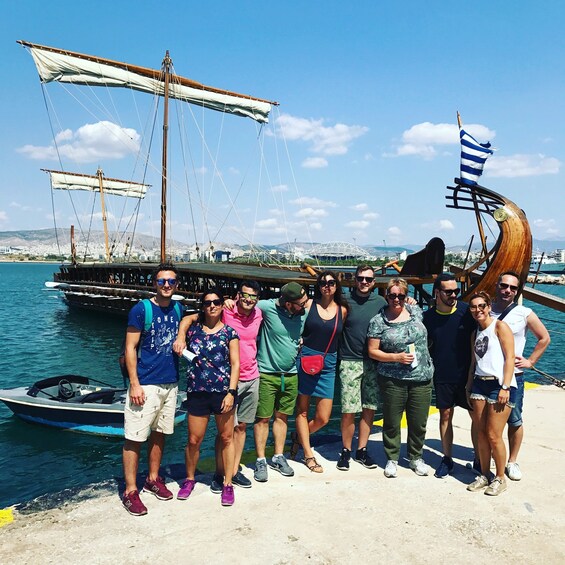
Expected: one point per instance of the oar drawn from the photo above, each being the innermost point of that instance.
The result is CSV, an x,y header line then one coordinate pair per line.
x,y
557,382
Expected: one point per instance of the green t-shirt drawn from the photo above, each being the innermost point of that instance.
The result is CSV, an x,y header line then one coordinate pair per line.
x,y
353,343
395,338
279,338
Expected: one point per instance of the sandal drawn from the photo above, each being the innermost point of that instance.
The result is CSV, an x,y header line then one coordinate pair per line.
x,y
295,445
313,465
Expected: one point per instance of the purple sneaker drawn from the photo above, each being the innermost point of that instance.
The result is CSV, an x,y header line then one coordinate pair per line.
x,y
228,497
186,489
158,488
132,503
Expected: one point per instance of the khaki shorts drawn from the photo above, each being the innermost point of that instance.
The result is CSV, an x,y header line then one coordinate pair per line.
x,y
277,393
359,387
247,400
156,415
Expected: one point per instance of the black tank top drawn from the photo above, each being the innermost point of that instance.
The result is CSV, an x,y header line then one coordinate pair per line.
x,y
317,331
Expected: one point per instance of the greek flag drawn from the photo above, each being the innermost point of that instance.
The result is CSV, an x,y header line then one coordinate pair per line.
x,y
473,157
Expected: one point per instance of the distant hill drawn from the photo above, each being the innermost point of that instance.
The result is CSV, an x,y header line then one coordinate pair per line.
x,y
49,237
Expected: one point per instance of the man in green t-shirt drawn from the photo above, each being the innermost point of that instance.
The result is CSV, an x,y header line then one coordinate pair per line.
x,y
279,340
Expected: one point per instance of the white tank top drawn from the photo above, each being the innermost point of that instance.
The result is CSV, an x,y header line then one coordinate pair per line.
x,y
488,354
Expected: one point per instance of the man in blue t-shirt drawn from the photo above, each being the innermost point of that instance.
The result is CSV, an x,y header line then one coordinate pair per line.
x,y
450,325
153,384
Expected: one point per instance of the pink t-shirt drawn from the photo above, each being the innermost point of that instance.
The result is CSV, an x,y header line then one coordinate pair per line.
x,y
248,328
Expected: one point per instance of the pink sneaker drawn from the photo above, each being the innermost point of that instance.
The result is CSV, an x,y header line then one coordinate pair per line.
x,y
158,488
132,503
186,489
228,497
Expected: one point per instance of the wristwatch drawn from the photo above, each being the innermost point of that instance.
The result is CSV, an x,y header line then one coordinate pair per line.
x,y
233,391
505,387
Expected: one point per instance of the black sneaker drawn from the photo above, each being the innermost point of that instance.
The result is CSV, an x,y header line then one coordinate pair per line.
x,y
217,484
363,457
240,480
344,457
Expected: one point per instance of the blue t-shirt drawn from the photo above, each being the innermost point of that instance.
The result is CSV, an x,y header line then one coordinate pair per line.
x,y
210,371
156,364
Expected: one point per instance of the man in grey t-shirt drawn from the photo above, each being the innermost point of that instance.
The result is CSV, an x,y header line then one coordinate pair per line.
x,y
359,389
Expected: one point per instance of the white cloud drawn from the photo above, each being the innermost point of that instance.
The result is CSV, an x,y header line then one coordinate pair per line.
x,y
547,227
359,207
233,171
3,216
315,226
315,163
89,143
324,140
440,225
357,224
371,216
200,170
311,213
422,139
267,224
522,166
394,231
20,206
310,201
279,188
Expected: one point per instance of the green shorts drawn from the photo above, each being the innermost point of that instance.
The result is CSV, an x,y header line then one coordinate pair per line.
x,y
277,393
359,387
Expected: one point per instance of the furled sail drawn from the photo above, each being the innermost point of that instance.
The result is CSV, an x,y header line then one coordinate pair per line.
x,y
75,181
69,67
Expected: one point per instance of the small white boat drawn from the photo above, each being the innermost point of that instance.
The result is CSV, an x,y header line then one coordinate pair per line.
x,y
75,403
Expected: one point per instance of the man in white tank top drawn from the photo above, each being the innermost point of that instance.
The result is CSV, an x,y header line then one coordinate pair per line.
x,y
520,319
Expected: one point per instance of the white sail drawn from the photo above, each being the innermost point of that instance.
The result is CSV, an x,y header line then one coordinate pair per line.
x,y
71,68
70,181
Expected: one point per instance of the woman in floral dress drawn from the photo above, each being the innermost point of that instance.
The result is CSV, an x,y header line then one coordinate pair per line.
x,y
212,389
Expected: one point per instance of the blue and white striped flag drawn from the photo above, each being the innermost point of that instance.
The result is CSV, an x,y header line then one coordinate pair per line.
x,y
473,157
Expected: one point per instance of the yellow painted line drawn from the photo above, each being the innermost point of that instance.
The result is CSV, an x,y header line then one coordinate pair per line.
x,y
403,422
530,385
6,517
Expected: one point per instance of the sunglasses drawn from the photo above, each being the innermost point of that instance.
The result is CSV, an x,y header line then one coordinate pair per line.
x,y
215,302
393,296
327,283
365,279
161,282
504,286
476,307
451,291
248,296
300,304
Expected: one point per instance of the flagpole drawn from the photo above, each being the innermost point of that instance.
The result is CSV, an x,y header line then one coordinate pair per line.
x,y
476,207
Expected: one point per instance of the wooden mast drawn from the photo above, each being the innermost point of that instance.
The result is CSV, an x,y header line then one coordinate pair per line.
x,y
167,63
99,174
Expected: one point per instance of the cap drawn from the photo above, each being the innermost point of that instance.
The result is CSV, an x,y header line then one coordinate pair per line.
x,y
292,291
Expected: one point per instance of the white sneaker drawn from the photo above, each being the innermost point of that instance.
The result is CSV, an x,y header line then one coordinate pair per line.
x,y
478,484
513,471
496,487
391,469
419,467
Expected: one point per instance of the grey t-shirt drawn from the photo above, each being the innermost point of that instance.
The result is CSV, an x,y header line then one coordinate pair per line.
x,y
353,343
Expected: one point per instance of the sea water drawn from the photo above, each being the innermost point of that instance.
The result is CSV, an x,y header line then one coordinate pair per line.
x,y
41,337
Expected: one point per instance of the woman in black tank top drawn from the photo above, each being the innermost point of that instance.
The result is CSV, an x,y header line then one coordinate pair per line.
x,y
322,329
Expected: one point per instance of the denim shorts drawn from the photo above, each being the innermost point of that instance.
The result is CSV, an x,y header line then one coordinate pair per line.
x,y
515,418
488,390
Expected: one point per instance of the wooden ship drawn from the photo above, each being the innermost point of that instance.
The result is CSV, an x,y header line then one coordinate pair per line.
x,y
113,286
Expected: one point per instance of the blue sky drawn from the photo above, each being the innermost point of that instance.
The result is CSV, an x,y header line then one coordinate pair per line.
x,y
361,147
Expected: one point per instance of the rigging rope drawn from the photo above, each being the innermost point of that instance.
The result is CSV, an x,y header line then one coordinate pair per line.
x,y
557,382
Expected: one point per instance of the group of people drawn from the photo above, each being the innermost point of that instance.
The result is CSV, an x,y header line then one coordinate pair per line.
x,y
253,361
